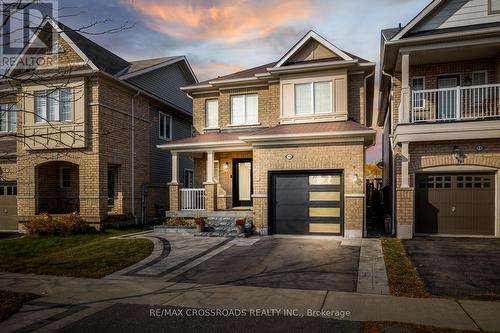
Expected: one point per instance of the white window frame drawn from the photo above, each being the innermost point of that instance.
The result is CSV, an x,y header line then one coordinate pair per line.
x,y
206,113
313,104
166,138
62,177
491,10
45,116
245,110
6,109
485,72
423,88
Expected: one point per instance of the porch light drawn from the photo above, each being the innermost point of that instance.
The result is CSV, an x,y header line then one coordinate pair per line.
x,y
226,166
356,179
457,154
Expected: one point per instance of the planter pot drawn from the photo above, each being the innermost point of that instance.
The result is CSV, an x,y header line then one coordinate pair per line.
x,y
200,228
241,229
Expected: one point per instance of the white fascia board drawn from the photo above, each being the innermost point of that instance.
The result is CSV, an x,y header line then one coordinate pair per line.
x,y
466,130
312,66
205,145
318,135
444,36
245,79
306,38
427,10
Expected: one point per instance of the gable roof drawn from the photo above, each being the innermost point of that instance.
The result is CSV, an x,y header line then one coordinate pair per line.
x,y
309,36
342,58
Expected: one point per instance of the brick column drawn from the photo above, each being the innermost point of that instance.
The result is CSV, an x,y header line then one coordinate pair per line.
x,y
210,196
174,196
404,212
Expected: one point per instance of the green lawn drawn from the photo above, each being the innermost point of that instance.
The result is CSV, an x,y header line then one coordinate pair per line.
x,y
402,277
89,255
11,302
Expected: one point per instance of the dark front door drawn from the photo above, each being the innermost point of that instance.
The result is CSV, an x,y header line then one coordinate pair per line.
x,y
455,204
111,187
242,182
447,97
306,203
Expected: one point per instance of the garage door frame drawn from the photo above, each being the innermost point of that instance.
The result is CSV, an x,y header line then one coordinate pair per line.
x,y
270,207
454,169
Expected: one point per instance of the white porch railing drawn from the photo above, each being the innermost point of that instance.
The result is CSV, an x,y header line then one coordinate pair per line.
x,y
460,103
192,198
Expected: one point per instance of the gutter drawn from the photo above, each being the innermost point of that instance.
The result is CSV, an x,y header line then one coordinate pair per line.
x,y
275,137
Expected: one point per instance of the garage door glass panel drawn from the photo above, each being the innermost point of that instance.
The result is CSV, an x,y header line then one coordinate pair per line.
x,y
324,196
324,212
324,228
324,180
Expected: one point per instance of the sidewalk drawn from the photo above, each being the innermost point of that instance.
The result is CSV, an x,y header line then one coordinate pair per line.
x,y
66,300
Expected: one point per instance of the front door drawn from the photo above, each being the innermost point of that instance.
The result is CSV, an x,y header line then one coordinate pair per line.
x,y
111,187
242,182
447,97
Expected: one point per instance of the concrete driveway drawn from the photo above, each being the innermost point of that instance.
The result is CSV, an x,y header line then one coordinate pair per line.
x,y
294,263
458,267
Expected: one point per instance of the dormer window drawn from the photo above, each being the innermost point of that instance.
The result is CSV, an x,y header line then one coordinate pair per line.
x,y
494,6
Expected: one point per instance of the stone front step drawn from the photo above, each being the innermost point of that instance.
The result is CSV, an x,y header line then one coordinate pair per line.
x,y
225,227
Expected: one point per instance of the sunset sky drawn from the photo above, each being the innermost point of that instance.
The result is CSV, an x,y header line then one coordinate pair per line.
x,y
223,36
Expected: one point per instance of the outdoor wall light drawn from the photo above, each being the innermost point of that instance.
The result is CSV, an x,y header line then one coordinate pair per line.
x,y
226,166
356,179
457,154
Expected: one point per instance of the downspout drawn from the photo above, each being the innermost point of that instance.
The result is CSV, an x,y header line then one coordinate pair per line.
x,y
133,156
393,158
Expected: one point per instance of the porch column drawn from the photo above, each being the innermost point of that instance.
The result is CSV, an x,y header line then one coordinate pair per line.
x,y
210,186
404,116
405,160
174,186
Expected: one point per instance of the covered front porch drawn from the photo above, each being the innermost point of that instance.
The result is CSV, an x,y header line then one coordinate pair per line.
x,y
222,184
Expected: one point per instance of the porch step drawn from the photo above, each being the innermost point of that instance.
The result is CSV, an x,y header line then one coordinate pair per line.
x,y
224,227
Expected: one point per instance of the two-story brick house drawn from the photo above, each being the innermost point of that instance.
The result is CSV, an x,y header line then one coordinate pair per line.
x,y
283,142
86,124
440,108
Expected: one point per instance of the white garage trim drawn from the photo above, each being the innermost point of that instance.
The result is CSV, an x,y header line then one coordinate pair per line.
x,y
463,168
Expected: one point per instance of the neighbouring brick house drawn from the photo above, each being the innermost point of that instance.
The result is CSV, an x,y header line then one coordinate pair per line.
x,y
283,143
82,136
440,108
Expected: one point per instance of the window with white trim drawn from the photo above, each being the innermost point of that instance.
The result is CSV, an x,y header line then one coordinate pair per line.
x,y
494,6
8,118
212,113
313,97
54,105
418,84
479,78
165,126
65,177
244,109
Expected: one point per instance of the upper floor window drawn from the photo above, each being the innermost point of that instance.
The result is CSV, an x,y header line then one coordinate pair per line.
x,y
54,105
165,126
418,83
212,113
244,109
479,78
494,6
8,118
313,97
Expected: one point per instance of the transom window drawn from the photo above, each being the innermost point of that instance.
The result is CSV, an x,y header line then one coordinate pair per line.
x,y
165,126
244,109
212,113
8,118
54,105
313,97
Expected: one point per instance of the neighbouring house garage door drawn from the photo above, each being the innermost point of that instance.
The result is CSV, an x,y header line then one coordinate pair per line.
x,y
306,203
8,206
455,204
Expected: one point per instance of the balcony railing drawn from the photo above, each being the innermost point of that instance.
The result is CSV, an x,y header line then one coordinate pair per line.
x,y
451,104
192,198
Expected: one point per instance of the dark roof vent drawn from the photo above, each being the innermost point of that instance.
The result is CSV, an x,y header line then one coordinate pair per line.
x,y
400,27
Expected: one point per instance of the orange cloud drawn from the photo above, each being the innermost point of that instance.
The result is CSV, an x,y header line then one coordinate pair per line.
x,y
225,21
212,70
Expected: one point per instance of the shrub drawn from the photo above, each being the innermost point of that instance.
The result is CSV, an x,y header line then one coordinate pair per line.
x,y
178,221
64,225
